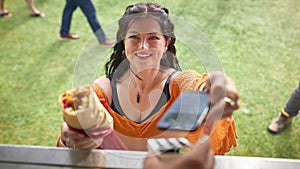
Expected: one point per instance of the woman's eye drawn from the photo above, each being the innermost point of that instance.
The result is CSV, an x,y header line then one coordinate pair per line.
x,y
154,38
133,37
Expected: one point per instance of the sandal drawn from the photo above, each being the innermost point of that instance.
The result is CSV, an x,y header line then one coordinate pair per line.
x,y
40,14
6,15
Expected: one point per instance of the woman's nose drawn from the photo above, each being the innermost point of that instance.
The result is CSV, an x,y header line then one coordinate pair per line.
x,y
143,44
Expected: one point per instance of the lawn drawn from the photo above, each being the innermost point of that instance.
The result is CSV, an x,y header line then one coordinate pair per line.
x,y
256,42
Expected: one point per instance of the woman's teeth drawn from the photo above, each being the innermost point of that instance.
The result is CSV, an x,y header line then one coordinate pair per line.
x,y
143,55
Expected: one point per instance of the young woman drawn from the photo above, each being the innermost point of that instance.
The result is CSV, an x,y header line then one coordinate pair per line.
x,y
143,78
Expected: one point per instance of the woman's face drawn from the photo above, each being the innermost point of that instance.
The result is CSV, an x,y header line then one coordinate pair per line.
x,y
145,43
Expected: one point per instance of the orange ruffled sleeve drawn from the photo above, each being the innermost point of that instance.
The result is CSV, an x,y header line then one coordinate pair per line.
x,y
135,135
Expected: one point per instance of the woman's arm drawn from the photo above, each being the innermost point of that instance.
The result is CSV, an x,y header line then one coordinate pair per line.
x,y
104,83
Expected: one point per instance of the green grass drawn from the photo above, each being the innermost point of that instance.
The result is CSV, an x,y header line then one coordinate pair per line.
x,y
257,43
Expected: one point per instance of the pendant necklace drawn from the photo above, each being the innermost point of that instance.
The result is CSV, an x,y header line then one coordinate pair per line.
x,y
138,96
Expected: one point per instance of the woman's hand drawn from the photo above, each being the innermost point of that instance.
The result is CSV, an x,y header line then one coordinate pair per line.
x,y
74,139
200,157
223,96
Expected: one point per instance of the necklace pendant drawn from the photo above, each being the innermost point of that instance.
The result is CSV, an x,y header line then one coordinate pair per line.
x,y
138,98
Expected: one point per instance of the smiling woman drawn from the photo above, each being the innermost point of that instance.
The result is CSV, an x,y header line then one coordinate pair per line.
x,y
143,78
255,40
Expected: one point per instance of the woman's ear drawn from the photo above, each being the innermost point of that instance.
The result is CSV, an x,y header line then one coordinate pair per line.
x,y
167,44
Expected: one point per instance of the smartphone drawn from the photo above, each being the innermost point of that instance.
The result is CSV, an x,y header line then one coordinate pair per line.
x,y
187,112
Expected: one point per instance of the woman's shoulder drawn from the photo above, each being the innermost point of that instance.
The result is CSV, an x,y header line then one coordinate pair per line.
x,y
186,74
186,80
104,83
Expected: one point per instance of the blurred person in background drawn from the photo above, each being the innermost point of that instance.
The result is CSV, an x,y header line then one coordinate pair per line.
x,y
88,9
34,12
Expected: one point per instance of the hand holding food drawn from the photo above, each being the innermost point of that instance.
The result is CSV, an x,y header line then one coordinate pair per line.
x,y
85,114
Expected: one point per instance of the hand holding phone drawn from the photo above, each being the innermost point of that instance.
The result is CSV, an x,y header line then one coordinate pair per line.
x,y
187,112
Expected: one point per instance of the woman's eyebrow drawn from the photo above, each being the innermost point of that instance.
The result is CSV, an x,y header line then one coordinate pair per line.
x,y
139,33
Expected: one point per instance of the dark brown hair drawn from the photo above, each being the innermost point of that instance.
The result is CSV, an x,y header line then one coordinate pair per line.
x,y
132,13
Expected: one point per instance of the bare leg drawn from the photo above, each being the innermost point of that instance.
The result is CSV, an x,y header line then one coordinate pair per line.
x,y
4,13
2,6
33,10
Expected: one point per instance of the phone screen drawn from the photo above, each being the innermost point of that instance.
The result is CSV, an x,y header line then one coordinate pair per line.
x,y
187,112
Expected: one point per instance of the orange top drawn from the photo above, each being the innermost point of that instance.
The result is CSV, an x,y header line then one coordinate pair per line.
x,y
134,135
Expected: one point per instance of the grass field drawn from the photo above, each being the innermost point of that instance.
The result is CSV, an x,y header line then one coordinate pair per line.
x,y
257,43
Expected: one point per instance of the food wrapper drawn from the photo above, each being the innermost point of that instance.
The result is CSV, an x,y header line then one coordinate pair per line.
x,y
83,112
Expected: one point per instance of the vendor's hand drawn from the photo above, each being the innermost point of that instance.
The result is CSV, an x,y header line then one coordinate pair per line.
x,y
223,96
76,140
200,157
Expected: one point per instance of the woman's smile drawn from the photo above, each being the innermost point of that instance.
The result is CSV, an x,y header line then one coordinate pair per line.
x,y
143,56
